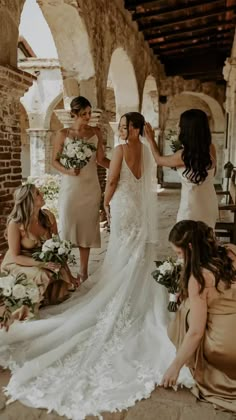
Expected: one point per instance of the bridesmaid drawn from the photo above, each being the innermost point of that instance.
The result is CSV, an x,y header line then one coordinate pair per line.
x,y
80,193
196,166
28,227
204,327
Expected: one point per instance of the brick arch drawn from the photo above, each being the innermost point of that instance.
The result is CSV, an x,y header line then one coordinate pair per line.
x,y
150,106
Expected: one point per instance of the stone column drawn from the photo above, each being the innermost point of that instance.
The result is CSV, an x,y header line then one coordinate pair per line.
x,y
40,151
229,72
97,120
13,84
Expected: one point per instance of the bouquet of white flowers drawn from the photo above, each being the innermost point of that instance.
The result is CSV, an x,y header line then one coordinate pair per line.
x,y
16,292
168,274
76,154
55,250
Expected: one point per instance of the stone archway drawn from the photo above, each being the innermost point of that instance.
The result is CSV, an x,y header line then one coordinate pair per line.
x,y
122,76
150,105
73,46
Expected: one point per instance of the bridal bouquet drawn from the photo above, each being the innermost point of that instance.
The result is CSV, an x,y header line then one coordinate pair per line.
x,y
76,154
168,274
55,250
16,292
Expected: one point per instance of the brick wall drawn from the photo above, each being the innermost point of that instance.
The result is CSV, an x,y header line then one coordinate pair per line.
x,y
13,84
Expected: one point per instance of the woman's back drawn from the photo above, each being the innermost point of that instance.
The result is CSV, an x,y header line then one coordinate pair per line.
x,y
198,201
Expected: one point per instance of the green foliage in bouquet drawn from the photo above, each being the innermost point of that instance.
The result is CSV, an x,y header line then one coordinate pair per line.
x,y
167,274
173,138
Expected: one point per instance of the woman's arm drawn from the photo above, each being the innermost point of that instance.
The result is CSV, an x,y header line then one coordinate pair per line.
x,y
193,337
113,177
14,244
102,160
58,144
170,161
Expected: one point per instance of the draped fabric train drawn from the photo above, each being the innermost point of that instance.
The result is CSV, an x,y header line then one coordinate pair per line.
x,y
106,348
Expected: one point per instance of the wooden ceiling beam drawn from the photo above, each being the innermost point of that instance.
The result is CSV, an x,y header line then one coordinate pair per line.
x,y
173,33
132,4
185,50
166,10
177,21
189,41
194,54
192,35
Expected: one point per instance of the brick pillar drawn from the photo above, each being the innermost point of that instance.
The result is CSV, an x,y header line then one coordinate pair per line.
x,y
40,151
13,84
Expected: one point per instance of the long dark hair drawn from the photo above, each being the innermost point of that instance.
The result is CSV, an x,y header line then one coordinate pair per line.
x,y
201,250
136,120
78,104
195,136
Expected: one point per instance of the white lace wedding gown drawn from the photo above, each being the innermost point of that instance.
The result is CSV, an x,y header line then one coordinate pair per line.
x,y
107,348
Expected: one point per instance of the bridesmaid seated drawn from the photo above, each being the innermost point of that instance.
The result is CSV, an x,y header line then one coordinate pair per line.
x,y
203,330
28,227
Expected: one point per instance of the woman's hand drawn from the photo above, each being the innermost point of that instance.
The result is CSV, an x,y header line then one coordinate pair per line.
x,y
149,132
108,214
21,314
6,318
52,266
73,171
170,377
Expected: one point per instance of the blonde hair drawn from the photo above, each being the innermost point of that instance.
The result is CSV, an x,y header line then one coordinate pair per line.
x,y
24,206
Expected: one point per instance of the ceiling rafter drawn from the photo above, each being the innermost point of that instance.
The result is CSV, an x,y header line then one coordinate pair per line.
x,y
185,50
191,32
182,20
193,40
167,10
172,33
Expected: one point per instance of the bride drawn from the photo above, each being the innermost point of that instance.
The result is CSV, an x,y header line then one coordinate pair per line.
x,y
108,347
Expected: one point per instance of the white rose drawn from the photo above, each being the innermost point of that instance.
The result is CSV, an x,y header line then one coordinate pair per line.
x,y
33,294
7,281
19,291
63,161
88,153
70,153
7,291
81,156
57,244
61,251
165,267
48,246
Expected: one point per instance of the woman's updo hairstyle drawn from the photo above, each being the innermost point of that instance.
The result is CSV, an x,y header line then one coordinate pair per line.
x,y
78,105
136,120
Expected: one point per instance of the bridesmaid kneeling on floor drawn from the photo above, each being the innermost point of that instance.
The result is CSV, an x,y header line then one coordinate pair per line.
x,y
28,226
203,330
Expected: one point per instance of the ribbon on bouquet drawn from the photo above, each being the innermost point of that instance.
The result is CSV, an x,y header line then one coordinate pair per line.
x,y
173,302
